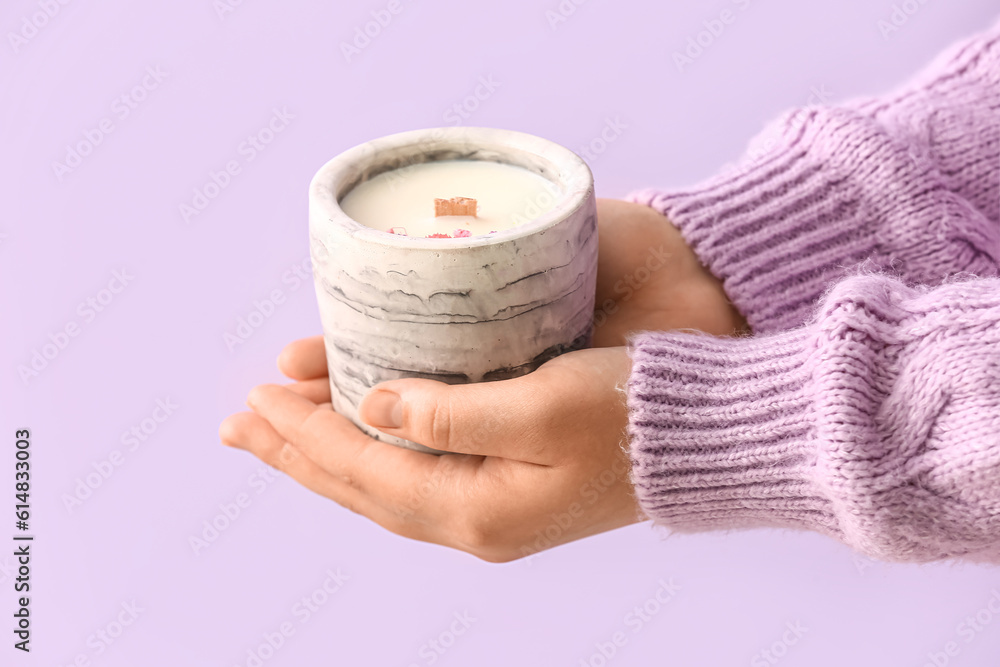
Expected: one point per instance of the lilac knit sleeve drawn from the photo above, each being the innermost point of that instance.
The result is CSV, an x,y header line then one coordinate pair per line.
x,y
877,423
907,182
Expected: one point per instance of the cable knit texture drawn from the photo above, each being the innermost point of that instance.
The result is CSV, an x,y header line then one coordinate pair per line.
x,y
862,244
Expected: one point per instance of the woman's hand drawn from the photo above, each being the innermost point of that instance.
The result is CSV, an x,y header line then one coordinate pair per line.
x,y
538,460
649,280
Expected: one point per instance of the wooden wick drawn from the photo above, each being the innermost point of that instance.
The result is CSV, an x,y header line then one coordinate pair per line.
x,y
455,206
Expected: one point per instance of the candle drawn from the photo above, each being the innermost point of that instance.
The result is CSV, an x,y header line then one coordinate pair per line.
x,y
402,201
474,309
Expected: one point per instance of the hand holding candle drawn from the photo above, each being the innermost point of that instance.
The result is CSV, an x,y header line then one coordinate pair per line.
x,y
528,445
487,270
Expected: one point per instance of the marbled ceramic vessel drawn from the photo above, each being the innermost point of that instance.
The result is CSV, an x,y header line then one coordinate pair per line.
x,y
456,310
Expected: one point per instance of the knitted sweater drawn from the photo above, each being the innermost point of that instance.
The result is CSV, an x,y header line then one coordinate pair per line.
x,y
862,244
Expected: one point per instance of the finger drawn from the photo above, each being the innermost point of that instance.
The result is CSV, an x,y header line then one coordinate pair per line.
x,y
251,432
390,474
304,359
317,391
500,418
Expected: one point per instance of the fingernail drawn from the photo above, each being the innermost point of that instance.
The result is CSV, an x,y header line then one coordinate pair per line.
x,y
250,397
385,410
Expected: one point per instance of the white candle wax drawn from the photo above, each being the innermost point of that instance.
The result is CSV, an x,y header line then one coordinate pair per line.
x,y
403,199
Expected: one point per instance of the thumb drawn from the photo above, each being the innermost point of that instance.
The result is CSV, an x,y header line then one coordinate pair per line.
x,y
486,418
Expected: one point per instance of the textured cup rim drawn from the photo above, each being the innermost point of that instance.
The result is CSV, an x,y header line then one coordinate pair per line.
x,y
575,180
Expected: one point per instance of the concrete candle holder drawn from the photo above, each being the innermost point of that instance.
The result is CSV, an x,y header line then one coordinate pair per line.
x,y
457,310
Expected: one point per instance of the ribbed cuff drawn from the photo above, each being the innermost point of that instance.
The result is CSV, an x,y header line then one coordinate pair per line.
x,y
777,228
825,190
721,435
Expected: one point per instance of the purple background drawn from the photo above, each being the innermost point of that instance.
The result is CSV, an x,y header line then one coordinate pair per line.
x,y
162,335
